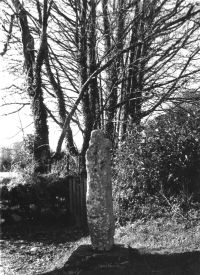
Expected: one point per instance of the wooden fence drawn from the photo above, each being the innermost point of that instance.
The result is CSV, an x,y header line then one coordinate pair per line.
x,y
76,202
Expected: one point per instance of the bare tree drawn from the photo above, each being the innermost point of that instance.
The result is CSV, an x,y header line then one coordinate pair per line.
x,y
143,41
33,61
109,64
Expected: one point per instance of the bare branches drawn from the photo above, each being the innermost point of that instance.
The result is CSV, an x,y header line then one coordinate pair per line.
x,y
109,61
68,19
16,110
39,11
9,35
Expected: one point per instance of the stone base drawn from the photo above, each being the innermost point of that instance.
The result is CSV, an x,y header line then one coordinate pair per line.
x,y
128,261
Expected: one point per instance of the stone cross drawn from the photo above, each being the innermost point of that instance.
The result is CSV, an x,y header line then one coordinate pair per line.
x,y
99,192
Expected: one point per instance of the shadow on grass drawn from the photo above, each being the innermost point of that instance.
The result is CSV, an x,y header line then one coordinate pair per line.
x,y
125,261
49,233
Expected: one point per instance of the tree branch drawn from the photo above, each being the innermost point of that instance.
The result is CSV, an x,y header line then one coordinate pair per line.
x,y
12,17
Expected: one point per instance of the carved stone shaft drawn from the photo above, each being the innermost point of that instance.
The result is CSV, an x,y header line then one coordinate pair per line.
x,y
99,192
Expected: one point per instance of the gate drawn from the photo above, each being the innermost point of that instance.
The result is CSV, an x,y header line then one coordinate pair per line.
x,y
76,203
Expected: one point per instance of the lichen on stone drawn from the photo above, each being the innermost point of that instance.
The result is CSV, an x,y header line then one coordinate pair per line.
x,y
99,192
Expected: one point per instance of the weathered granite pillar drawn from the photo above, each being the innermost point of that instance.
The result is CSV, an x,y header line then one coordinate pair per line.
x,y
99,192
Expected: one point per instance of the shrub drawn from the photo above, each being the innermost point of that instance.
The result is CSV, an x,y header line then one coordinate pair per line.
x,y
22,157
5,159
158,161
65,165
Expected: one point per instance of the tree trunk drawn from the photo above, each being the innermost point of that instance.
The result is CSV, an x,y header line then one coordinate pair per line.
x,y
86,108
41,151
111,77
33,67
72,150
93,86
41,139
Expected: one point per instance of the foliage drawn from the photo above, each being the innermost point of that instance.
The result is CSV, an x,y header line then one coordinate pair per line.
x,y
22,157
65,165
157,164
5,159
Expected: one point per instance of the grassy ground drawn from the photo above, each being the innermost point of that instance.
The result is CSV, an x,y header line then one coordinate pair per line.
x,y
162,235
38,249
27,250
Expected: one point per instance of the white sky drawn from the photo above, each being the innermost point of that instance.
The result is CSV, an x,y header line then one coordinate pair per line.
x,y
11,125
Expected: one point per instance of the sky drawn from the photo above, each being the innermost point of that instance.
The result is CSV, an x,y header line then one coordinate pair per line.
x,y
14,127
10,125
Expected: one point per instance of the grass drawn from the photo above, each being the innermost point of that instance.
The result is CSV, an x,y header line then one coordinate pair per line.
x,y
162,235
35,250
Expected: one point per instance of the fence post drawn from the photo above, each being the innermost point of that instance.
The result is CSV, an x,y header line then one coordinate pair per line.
x,y
99,192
